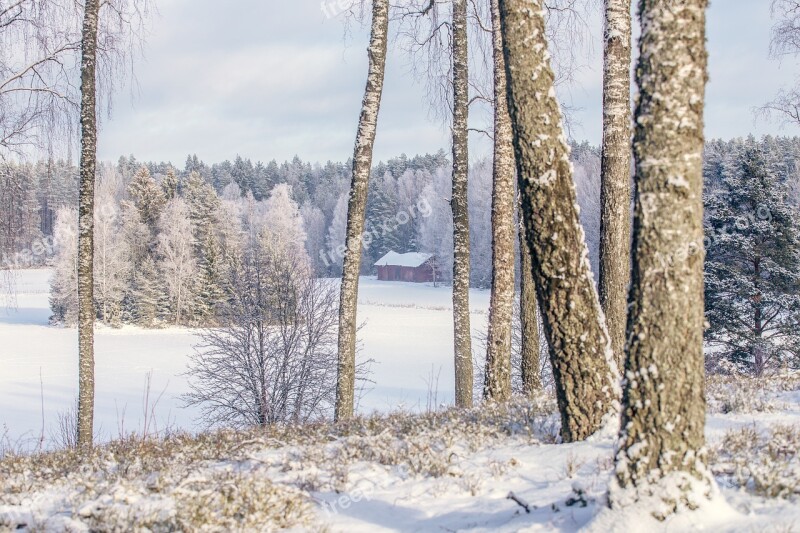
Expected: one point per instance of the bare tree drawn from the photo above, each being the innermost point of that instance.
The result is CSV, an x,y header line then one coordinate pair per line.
x,y
583,365
785,42
615,195
356,212
274,358
660,463
498,353
39,40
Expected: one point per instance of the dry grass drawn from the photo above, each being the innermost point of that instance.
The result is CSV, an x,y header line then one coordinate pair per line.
x,y
247,480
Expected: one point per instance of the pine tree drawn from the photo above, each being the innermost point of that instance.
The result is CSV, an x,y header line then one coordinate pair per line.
x,y
148,198
169,185
753,263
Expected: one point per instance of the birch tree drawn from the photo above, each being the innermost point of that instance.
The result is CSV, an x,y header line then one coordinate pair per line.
x,y
501,308
459,203
176,250
615,195
660,463
88,162
356,212
583,365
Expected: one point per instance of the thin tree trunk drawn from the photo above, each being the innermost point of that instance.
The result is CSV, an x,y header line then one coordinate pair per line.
x,y
615,195
461,253
86,312
583,365
497,385
663,414
529,319
356,211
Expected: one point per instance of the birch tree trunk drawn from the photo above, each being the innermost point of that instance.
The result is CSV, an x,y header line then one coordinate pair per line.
x,y
497,384
663,417
583,365
529,319
356,211
461,253
615,195
88,163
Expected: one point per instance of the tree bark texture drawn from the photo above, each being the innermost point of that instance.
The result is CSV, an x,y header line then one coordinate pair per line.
x,y
356,211
663,415
88,163
497,384
462,330
583,365
615,195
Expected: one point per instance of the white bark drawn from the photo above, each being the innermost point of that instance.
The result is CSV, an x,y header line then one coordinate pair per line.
x,y
362,165
615,221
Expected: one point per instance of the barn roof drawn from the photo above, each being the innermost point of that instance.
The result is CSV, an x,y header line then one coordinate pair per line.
x,y
411,259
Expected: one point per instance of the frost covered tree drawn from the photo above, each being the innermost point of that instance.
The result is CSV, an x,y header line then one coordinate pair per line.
x,y
274,357
501,306
283,220
660,461
583,365
436,230
785,42
753,264
148,198
176,255
615,232
356,210
112,258
64,283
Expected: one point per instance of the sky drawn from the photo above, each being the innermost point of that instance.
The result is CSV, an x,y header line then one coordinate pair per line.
x,y
271,79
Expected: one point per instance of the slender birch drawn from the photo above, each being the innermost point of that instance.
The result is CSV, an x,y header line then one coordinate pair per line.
x,y
615,195
583,365
356,212
497,384
529,319
88,163
660,460
461,252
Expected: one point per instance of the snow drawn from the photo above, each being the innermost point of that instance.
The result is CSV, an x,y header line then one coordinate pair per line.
x,y
443,476
410,259
403,322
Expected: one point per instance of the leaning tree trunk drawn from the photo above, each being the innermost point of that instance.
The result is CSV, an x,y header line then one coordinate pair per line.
x,y
356,211
529,319
615,194
497,385
583,364
86,312
660,461
461,254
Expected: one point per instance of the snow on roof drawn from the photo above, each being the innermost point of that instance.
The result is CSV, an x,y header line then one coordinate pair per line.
x,y
411,259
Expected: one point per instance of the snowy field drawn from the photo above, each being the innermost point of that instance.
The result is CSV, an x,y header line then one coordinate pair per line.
x,y
407,332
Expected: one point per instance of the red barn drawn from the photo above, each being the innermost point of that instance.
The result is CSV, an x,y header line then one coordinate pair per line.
x,y
413,267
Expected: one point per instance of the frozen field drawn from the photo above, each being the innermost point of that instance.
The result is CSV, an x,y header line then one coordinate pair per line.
x,y
407,332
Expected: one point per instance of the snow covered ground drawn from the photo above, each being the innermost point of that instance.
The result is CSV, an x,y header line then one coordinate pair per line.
x,y
439,471
407,332
444,471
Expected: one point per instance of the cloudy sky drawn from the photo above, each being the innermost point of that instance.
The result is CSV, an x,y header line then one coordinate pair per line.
x,y
270,79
